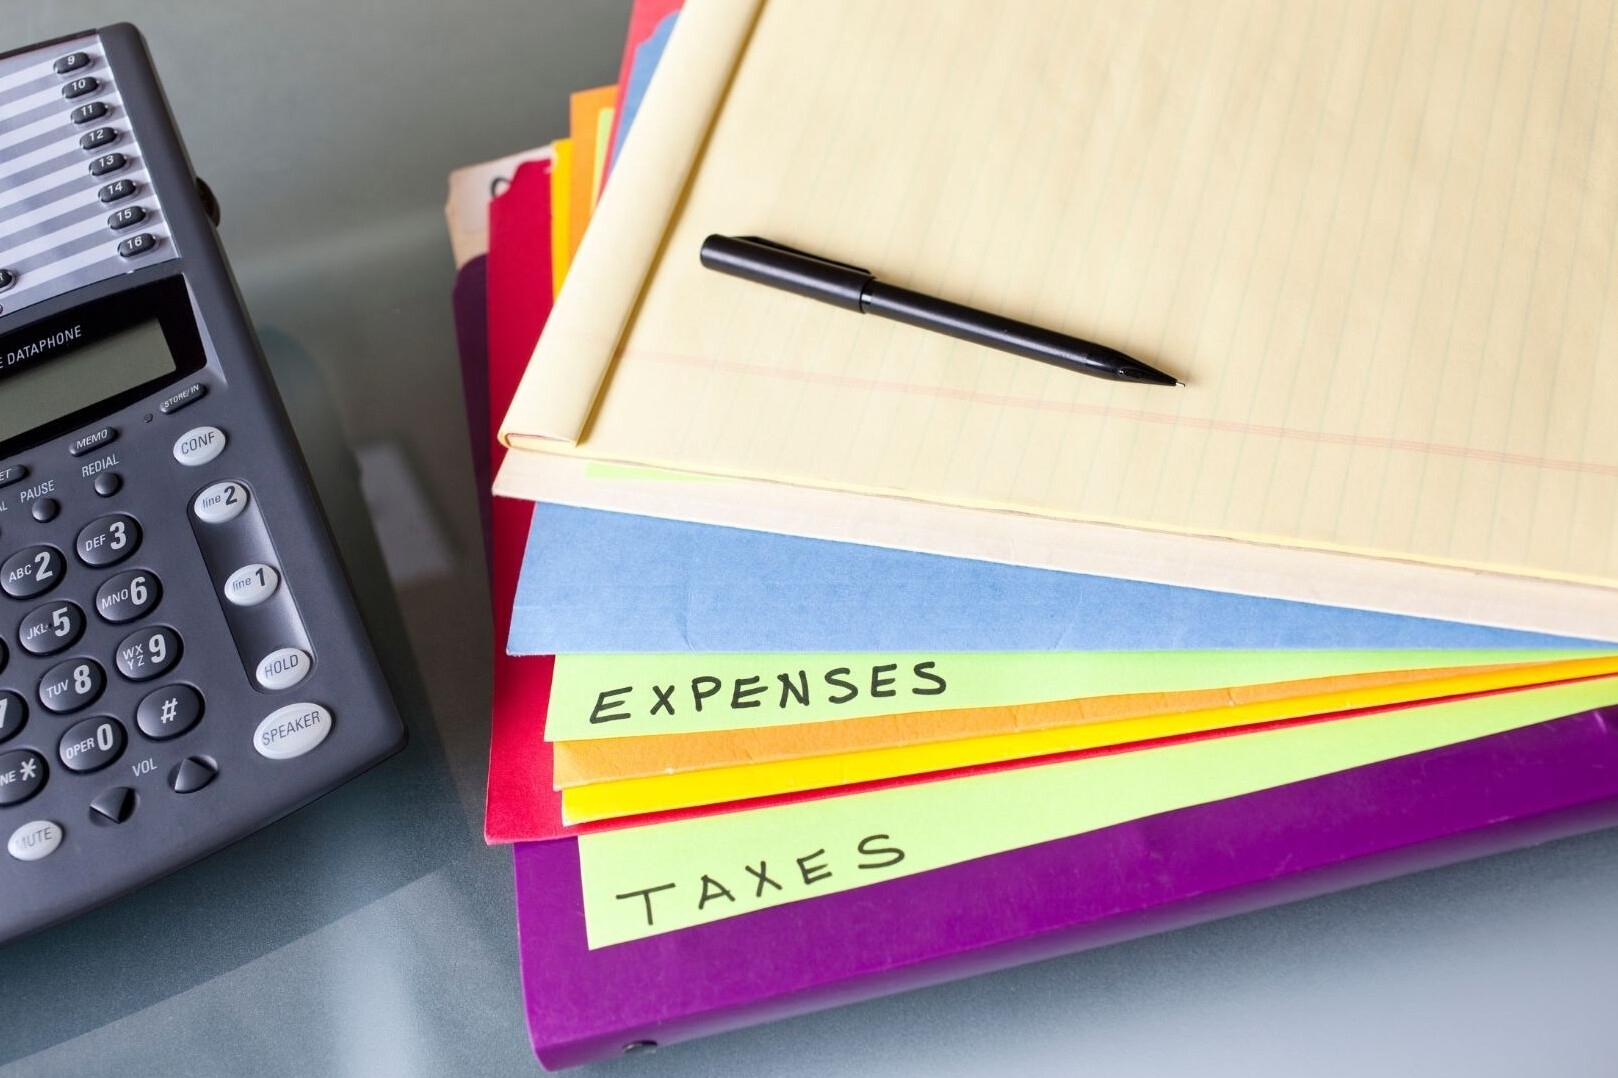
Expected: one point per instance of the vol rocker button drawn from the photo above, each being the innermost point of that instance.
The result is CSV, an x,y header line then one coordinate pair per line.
x,y
113,806
127,596
192,774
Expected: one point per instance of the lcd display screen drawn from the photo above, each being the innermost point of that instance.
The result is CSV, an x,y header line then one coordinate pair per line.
x,y
65,377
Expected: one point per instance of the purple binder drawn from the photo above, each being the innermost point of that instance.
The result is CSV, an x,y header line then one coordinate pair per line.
x,y
1358,826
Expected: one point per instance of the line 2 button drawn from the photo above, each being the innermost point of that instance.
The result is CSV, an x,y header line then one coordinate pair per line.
x,y
199,445
252,584
220,502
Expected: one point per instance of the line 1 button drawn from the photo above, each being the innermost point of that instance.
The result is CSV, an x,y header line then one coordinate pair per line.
x,y
251,584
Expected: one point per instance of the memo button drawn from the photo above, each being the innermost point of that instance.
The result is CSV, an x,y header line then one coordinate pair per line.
x,y
199,445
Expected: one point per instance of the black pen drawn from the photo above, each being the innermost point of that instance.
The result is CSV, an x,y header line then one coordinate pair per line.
x,y
852,288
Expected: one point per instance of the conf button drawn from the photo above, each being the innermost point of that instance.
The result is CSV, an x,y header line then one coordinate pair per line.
x,y
291,731
199,445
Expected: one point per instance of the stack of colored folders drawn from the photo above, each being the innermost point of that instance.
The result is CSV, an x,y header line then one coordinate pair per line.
x,y
746,774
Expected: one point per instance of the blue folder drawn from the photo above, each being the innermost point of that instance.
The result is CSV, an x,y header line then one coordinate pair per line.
x,y
595,581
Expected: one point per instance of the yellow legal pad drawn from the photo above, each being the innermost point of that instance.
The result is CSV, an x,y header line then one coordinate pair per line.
x,y
1374,239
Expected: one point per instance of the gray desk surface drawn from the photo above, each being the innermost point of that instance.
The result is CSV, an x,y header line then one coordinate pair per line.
x,y
372,932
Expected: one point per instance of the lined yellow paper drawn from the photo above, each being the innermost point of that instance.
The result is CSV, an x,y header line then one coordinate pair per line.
x,y
1374,239
643,881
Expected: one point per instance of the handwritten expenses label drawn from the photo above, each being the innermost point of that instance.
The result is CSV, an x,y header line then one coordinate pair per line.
x,y
610,696
644,881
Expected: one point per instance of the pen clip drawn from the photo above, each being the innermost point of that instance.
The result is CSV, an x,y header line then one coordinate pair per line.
x,y
762,242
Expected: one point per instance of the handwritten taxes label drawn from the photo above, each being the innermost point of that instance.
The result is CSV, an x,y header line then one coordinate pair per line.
x,y
642,881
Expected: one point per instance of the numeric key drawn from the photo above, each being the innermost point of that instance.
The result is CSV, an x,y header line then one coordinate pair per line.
x,y
92,744
108,540
32,571
51,628
13,714
71,685
149,652
128,596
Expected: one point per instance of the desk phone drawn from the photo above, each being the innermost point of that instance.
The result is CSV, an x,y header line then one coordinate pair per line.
x,y
181,657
